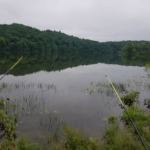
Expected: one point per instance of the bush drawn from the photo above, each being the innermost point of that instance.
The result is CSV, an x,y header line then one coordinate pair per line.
x,y
130,98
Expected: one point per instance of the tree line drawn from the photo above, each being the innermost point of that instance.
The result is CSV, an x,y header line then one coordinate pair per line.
x,y
136,53
18,37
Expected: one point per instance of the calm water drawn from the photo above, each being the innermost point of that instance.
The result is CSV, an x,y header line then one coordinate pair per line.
x,y
48,100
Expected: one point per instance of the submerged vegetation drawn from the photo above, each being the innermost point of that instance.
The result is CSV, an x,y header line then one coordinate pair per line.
x,y
122,88
111,119
147,102
120,133
130,98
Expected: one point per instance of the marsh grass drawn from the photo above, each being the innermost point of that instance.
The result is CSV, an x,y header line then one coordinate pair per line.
x,y
73,140
105,88
126,138
77,140
54,137
111,119
118,139
130,98
20,144
147,102
21,86
136,114
8,120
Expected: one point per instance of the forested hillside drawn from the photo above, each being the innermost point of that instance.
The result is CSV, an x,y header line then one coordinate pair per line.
x,y
17,37
51,50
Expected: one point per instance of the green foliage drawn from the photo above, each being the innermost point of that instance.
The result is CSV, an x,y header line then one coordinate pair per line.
x,y
135,53
2,42
110,132
75,140
147,69
130,98
21,144
116,139
119,86
136,114
7,121
17,37
112,119
125,138
53,138
147,102
7,144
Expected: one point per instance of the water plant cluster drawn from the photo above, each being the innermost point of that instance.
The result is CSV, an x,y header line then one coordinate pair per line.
x,y
130,98
14,86
104,88
8,120
147,102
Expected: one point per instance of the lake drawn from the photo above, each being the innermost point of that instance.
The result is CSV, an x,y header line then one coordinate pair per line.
x,y
80,97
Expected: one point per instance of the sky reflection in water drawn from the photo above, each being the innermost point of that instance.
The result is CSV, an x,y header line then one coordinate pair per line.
x,y
70,97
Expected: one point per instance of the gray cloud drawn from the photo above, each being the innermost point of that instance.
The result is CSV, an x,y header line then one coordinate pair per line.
x,y
101,20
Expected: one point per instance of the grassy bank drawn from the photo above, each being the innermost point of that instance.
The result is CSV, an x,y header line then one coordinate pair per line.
x,y
115,137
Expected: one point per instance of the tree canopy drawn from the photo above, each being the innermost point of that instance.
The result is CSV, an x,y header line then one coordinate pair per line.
x,y
18,37
135,53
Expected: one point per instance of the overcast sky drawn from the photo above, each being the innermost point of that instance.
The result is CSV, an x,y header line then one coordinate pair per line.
x,y
100,20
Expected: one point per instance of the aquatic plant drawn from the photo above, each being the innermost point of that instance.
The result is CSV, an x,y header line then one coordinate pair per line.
x,y
111,119
135,113
21,144
130,98
76,140
147,102
54,137
116,138
7,122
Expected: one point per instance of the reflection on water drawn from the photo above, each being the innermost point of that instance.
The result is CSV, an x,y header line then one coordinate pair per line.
x,y
46,61
80,97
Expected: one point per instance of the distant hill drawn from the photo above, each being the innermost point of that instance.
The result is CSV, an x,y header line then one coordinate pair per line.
x,y
18,37
52,50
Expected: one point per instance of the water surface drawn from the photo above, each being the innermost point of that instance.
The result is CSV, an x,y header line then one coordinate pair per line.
x,y
49,99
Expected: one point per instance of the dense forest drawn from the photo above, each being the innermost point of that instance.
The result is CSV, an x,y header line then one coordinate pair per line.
x,y
17,37
52,50
135,53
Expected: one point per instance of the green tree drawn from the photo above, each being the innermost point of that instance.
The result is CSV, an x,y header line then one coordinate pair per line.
x,y
2,42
